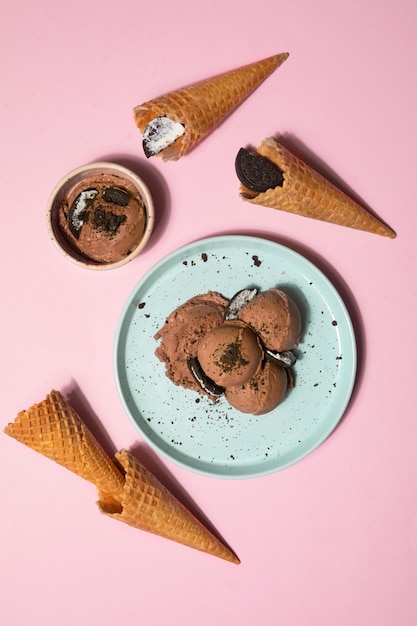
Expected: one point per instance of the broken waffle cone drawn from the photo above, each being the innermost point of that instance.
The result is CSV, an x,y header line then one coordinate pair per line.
x,y
54,429
202,106
306,192
146,504
130,494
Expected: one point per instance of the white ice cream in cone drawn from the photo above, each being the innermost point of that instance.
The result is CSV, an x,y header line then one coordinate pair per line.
x,y
174,123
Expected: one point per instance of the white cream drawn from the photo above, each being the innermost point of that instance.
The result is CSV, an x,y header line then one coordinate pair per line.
x,y
80,204
160,133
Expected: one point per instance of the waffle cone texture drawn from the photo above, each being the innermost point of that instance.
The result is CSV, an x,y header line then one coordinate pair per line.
x,y
54,429
127,491
307,193
149,506
205,104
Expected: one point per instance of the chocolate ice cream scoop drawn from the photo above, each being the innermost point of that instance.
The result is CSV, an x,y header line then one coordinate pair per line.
x,y
262,393
230,354
275,317
180,334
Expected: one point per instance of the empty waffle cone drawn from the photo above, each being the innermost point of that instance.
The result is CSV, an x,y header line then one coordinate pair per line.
x,y
306,192
130,494
54,429
146,504
202,106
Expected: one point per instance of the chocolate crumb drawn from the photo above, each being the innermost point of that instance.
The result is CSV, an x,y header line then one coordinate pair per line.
x,y
106,221
232,357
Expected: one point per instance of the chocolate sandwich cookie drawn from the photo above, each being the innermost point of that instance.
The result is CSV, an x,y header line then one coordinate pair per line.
x,y
256,172
206,383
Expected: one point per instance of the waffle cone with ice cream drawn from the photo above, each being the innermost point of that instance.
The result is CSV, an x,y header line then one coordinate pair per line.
x,y
127,491
202,106
307,193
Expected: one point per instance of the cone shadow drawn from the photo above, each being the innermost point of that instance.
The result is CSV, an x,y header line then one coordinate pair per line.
x,y
80,404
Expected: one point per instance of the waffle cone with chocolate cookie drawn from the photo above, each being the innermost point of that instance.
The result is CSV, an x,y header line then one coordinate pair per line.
x,y
130,494
174,123
303,191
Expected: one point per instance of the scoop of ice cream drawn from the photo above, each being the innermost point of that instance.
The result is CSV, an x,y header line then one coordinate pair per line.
x,y
231,354
182,331
265,391
102,218
274,316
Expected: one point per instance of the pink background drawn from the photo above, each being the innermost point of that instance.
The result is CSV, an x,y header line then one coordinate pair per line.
x,y
330,540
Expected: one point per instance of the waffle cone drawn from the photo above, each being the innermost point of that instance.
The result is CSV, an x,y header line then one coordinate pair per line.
x,y
305,192
149,506
203,105
54,429
130,494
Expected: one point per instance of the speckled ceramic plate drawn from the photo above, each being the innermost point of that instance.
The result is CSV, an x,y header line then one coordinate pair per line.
x,y
210,437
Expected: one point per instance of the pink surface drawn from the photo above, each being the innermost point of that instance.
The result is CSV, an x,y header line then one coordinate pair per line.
x,y
332,539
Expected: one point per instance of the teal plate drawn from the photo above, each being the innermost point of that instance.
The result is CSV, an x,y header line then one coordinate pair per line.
x,y
209,437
